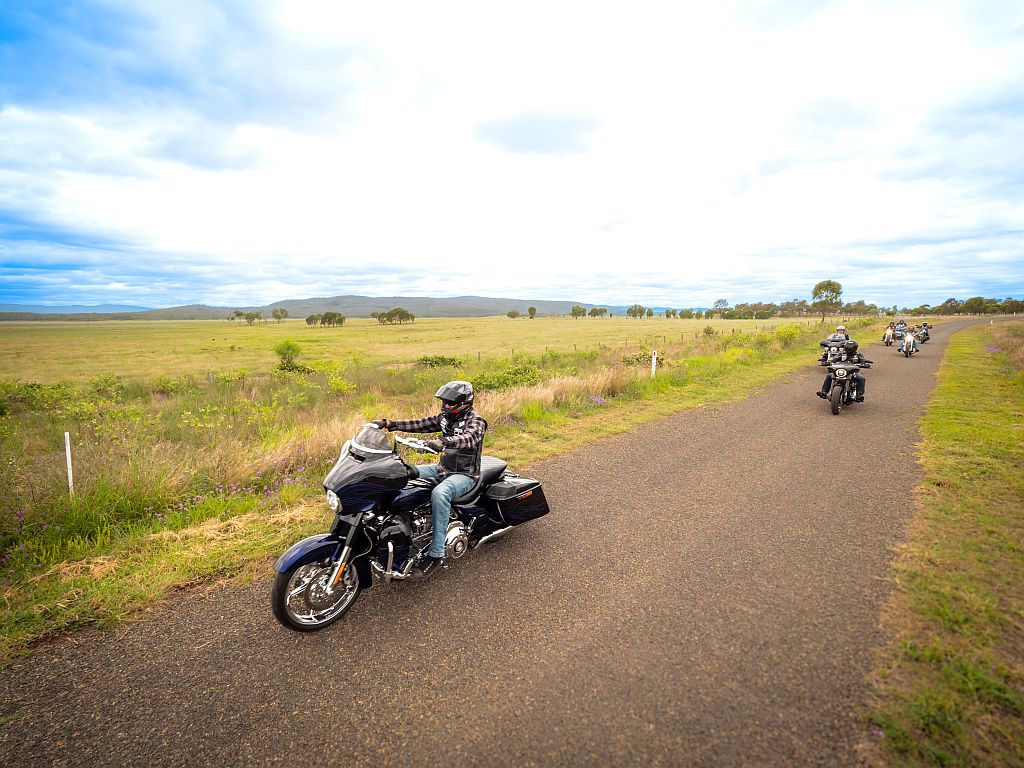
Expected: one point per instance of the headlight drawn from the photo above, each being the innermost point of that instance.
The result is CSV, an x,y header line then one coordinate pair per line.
x,y
841,373
333,501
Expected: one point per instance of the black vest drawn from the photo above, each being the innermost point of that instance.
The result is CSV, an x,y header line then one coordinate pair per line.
x,y
462,461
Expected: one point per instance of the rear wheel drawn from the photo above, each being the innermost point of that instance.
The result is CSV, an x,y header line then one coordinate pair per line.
x,y
303,600
835,399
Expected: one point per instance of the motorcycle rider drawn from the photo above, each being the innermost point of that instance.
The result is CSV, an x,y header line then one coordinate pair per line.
x,y
460,445
840,331
847,353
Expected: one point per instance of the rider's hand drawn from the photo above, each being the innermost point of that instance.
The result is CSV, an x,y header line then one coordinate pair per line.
x,y
381,423
435,445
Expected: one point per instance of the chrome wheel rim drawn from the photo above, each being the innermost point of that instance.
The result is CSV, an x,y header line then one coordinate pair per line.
x,y
309,600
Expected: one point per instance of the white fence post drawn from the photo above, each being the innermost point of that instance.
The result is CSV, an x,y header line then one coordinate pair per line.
x,y
654,362
67,452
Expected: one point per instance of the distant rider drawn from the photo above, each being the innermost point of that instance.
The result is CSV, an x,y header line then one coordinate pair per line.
x,y
847,353
460,445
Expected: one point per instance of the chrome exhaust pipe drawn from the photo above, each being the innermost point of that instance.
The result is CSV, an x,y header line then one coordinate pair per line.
x,y
494,535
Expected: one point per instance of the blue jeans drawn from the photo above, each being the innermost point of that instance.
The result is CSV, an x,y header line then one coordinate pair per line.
x,y
441,497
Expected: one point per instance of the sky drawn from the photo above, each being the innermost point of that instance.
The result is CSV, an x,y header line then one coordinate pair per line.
x,y
240,152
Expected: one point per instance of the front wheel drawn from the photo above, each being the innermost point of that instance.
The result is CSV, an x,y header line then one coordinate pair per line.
x,y
835,400
303,600
906,352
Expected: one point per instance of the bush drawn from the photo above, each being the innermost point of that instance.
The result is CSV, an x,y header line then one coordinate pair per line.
x,y
288,350
709,330
637,358
787,334
107,385
514,376
438,361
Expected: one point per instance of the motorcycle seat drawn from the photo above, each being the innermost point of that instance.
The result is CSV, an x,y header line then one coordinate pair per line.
x,y
491,470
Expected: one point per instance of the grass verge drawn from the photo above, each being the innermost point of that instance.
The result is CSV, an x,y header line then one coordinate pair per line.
x,y
125,559
949,688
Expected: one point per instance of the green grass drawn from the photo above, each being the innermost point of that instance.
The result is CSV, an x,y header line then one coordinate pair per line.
x,y
950,686
49,352
177,472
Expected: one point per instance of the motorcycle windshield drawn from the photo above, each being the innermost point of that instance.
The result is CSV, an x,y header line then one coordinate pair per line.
x,y
372,440
367,469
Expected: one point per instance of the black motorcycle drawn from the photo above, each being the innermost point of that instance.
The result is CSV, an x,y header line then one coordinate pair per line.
x,y
382,526
843,389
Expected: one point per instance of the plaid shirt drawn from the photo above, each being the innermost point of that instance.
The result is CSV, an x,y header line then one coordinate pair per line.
x,y
472,434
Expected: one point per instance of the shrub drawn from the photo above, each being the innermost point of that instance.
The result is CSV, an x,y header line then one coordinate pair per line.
x,y
637,358
288,351
514,376
709,330
230,377
438,361
107,385
787,334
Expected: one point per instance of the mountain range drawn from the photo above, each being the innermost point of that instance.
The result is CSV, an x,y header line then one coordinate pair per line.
x,y
350,306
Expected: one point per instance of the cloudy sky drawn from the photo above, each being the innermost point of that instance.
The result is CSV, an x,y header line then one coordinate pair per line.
x,y
240,152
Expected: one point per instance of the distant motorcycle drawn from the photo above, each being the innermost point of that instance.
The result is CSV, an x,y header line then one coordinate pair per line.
x,y
382,526
907,346
889,336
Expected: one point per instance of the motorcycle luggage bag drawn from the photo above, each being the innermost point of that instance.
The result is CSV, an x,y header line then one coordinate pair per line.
x,y
517,499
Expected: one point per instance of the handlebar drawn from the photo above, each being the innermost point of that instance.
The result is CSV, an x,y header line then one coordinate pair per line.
x,y
414,443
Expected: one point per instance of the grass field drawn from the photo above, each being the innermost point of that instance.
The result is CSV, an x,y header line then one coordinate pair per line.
x,y
950,687
192,462
47,352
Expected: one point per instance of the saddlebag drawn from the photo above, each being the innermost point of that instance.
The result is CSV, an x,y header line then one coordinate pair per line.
x,y
517,499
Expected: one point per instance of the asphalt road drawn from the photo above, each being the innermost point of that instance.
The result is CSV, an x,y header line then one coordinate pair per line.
x,y
706,591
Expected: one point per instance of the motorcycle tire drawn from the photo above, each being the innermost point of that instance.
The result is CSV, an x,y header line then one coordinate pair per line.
x,y
906,353
835,400
301,601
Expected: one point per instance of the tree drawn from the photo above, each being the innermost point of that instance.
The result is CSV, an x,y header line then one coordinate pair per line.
x,y
636,310
826,296
287,350
314,319
279,314
686,314
598,311
668,313
532,311
974,305
513,313
578,311
650,312
239,314
252,317
397,315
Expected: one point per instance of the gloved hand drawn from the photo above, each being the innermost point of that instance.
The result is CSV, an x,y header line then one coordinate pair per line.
x,y
381,423
435,445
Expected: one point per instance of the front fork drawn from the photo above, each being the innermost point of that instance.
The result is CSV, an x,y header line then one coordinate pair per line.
x,y
344,547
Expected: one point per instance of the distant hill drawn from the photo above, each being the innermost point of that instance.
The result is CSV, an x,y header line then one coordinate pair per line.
x,y
350,306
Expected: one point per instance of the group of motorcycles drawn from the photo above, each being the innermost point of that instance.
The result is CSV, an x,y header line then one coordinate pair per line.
x,y
844,371
908,339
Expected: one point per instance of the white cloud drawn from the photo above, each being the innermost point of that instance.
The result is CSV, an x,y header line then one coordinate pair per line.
x,y
545,150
